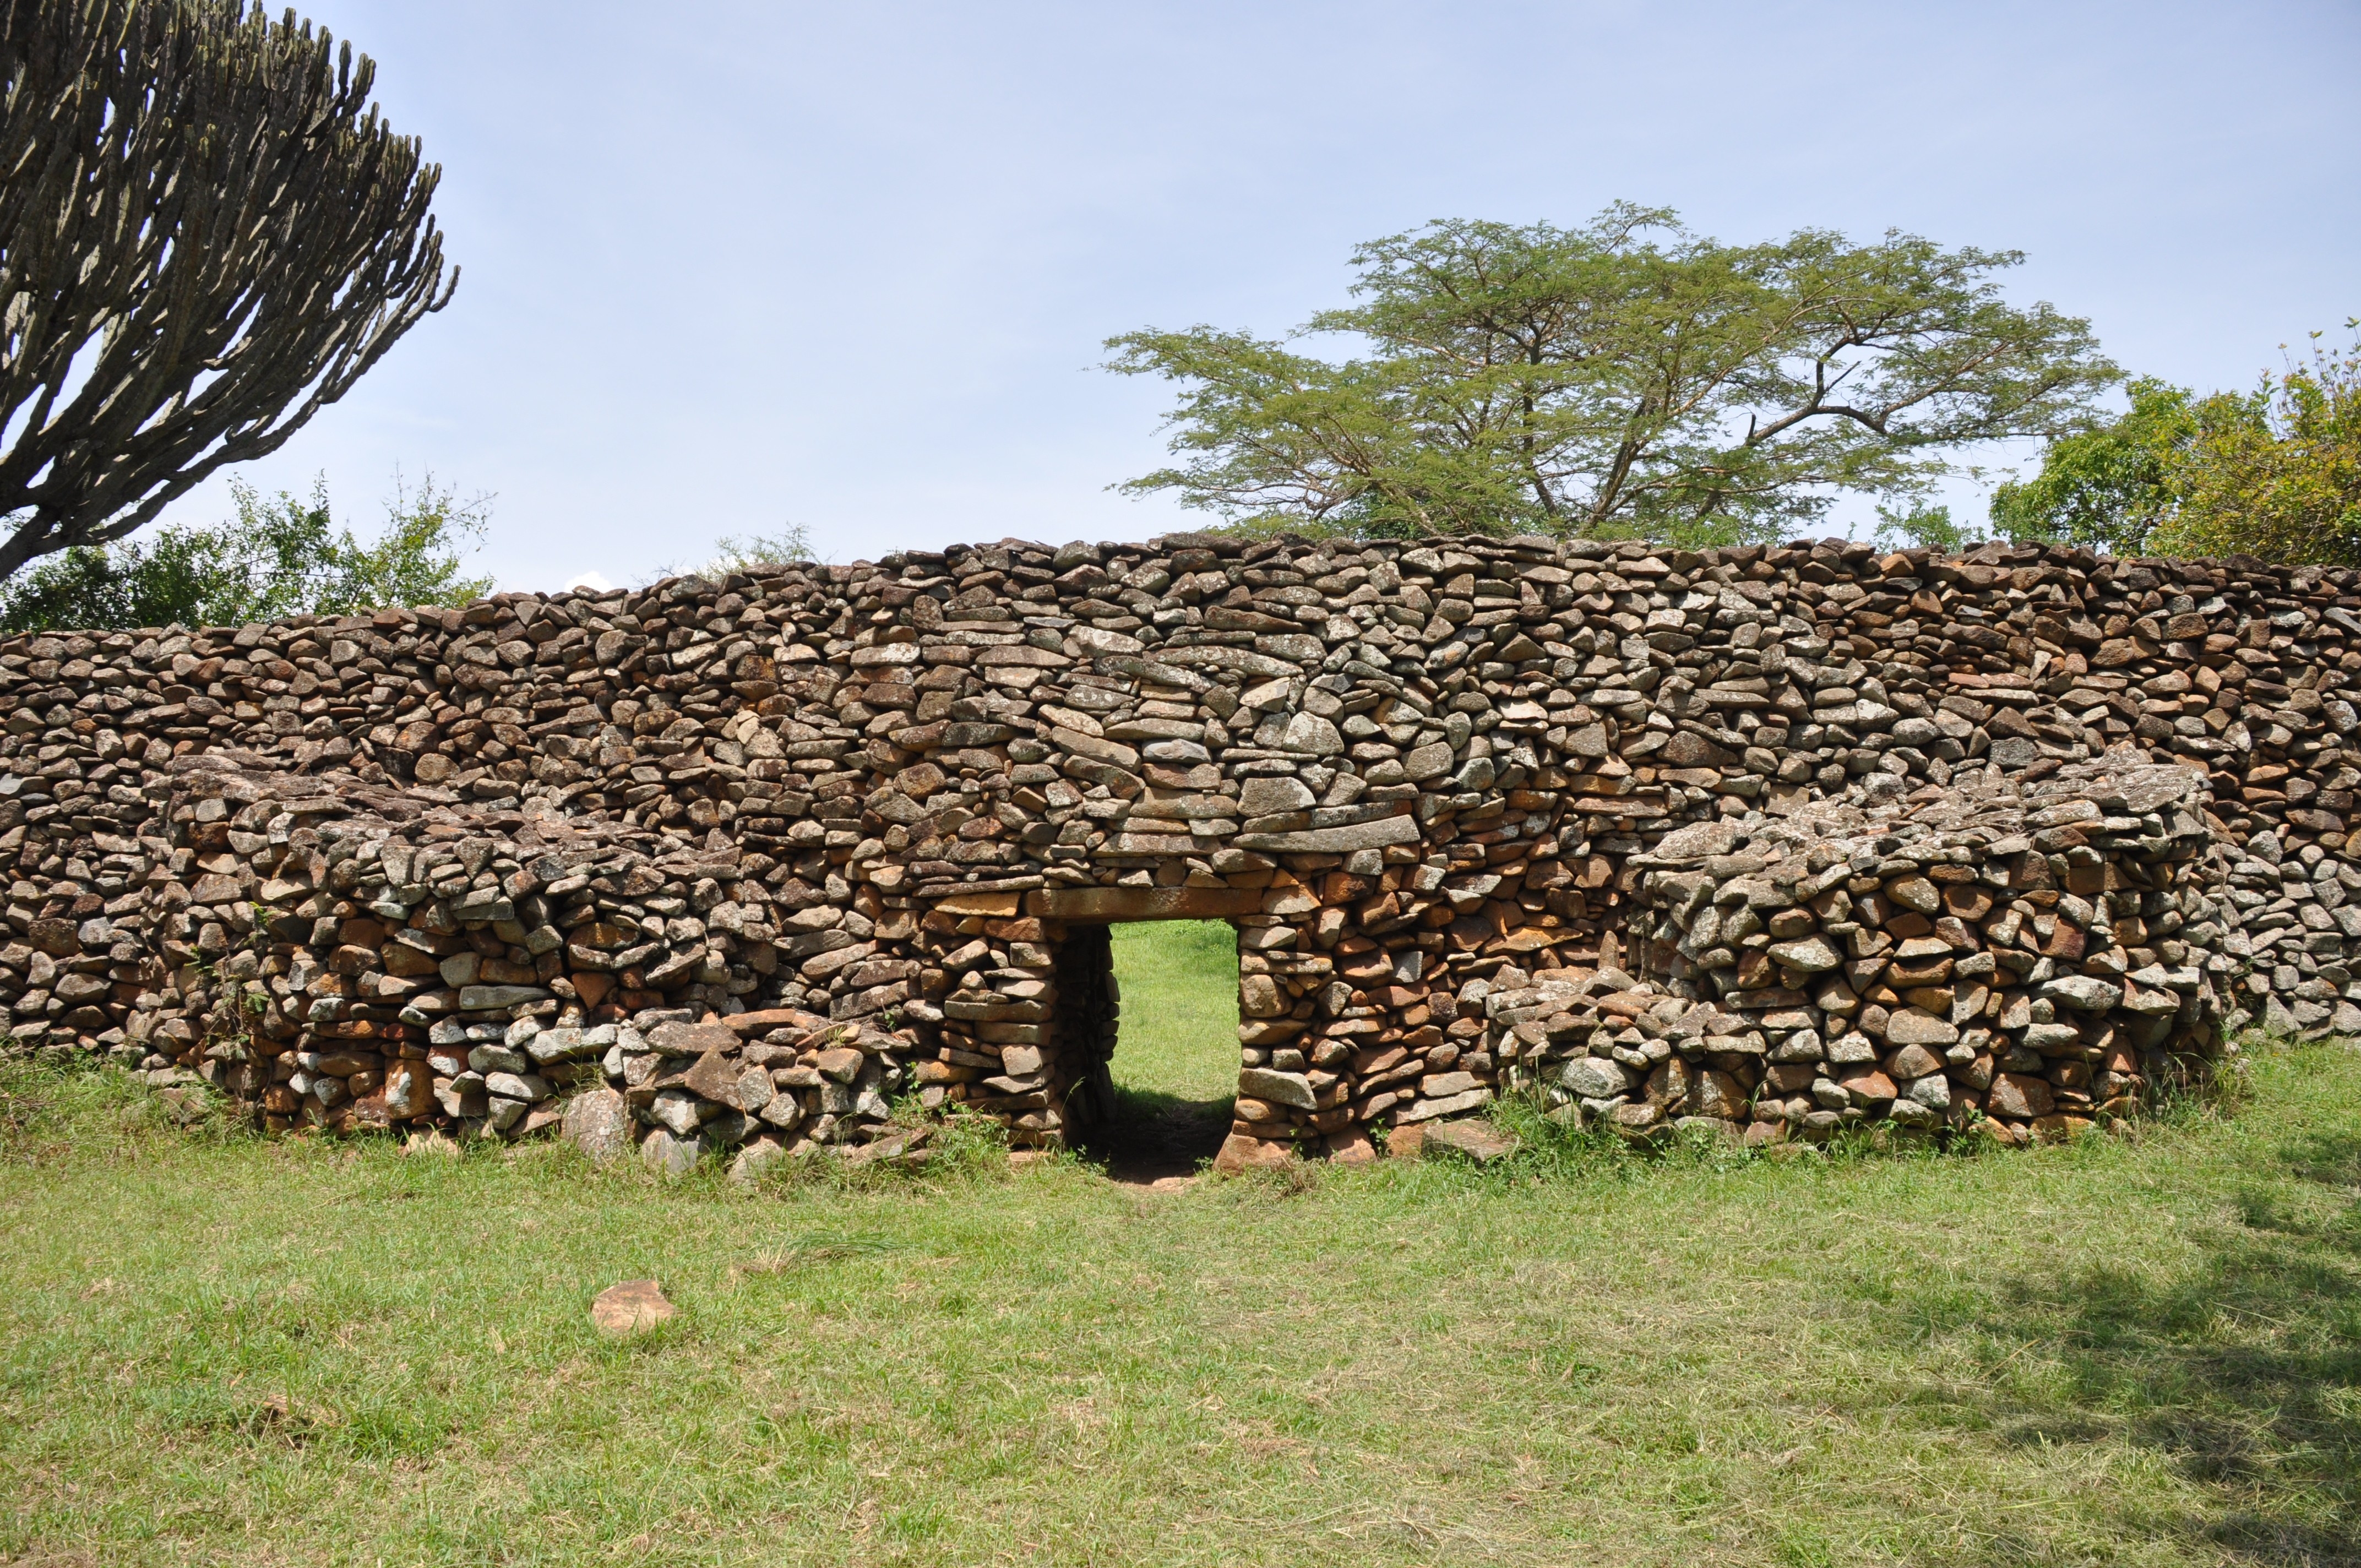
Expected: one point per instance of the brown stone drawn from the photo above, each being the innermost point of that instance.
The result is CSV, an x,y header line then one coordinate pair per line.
x,y
746,1026
632,1308
1913,1062
1868,1086
1720,1095
714,1076
1364,907
1350,1147
1911,1026
1092,905
408,1092
2019,1095
1478,1141
693,1039
2066,942
1240,1155
988,903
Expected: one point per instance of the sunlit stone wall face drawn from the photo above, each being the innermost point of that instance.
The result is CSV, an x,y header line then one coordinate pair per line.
x,y
743,863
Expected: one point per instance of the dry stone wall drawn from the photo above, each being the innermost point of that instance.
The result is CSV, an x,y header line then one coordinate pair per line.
x,y
2028,952
742,863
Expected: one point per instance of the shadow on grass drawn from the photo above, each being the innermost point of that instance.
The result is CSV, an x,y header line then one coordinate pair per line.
x,y
2242,1372
1152,1135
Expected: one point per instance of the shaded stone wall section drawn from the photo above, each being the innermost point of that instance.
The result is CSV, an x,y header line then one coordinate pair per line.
x,y
2022,953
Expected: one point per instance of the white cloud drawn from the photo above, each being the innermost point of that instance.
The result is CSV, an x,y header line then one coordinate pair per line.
x,y
590,580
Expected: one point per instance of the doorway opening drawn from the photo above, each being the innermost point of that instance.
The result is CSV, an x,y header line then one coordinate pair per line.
x,y
1172,1078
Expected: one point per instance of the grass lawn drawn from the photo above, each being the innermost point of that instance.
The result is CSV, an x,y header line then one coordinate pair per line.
x,y
1176,1054
1178,1033
2141,1350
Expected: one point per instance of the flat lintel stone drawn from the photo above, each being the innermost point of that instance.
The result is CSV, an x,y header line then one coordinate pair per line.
x,y
1092,904
1336,840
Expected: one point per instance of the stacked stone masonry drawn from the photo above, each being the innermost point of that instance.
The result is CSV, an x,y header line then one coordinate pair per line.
x,y
1777,838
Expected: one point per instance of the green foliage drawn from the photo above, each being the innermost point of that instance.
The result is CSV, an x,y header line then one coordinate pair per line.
x,y
751,553
1628,378
1175,1069
757,551
2108,487
2275,472
1177,1036
280,556
1918,526
210,234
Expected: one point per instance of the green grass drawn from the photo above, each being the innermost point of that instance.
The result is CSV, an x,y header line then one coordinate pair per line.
x,y
2128,1351
1177,1034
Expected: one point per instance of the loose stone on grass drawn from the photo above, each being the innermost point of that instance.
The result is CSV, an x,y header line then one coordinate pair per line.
x,y
633,1306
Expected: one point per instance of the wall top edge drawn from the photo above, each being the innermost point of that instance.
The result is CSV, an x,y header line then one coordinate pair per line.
x,y
1848,557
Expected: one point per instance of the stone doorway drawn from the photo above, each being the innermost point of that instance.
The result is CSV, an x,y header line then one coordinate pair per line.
x,y
1164,1096
1141,1035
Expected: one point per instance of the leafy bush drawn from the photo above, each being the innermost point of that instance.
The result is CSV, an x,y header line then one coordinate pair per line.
x,y
280,556
2274,473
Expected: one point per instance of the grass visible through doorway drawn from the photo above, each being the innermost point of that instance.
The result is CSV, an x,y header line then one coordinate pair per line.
x,y
1176,1054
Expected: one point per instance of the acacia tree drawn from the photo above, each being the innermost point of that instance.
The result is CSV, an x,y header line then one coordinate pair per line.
x,y
1627,377
208,235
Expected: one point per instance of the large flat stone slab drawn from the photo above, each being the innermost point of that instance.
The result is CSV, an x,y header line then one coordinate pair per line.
x,y
1094,905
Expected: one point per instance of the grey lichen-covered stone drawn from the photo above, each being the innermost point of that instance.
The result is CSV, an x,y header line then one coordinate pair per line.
x,y
685,1039
552,1046
1812,954
1934,1091
1310,732
491,998
756,1160
598,1123
1428,761
2083,992
1267,796
680,1111
667,1154
1595,1077
1911,1026
1291,1089
1340,841
1851,1049
1698,840
529,1088
1446,1105
1477,1141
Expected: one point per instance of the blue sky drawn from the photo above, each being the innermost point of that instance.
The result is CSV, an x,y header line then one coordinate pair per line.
x,y
737,265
